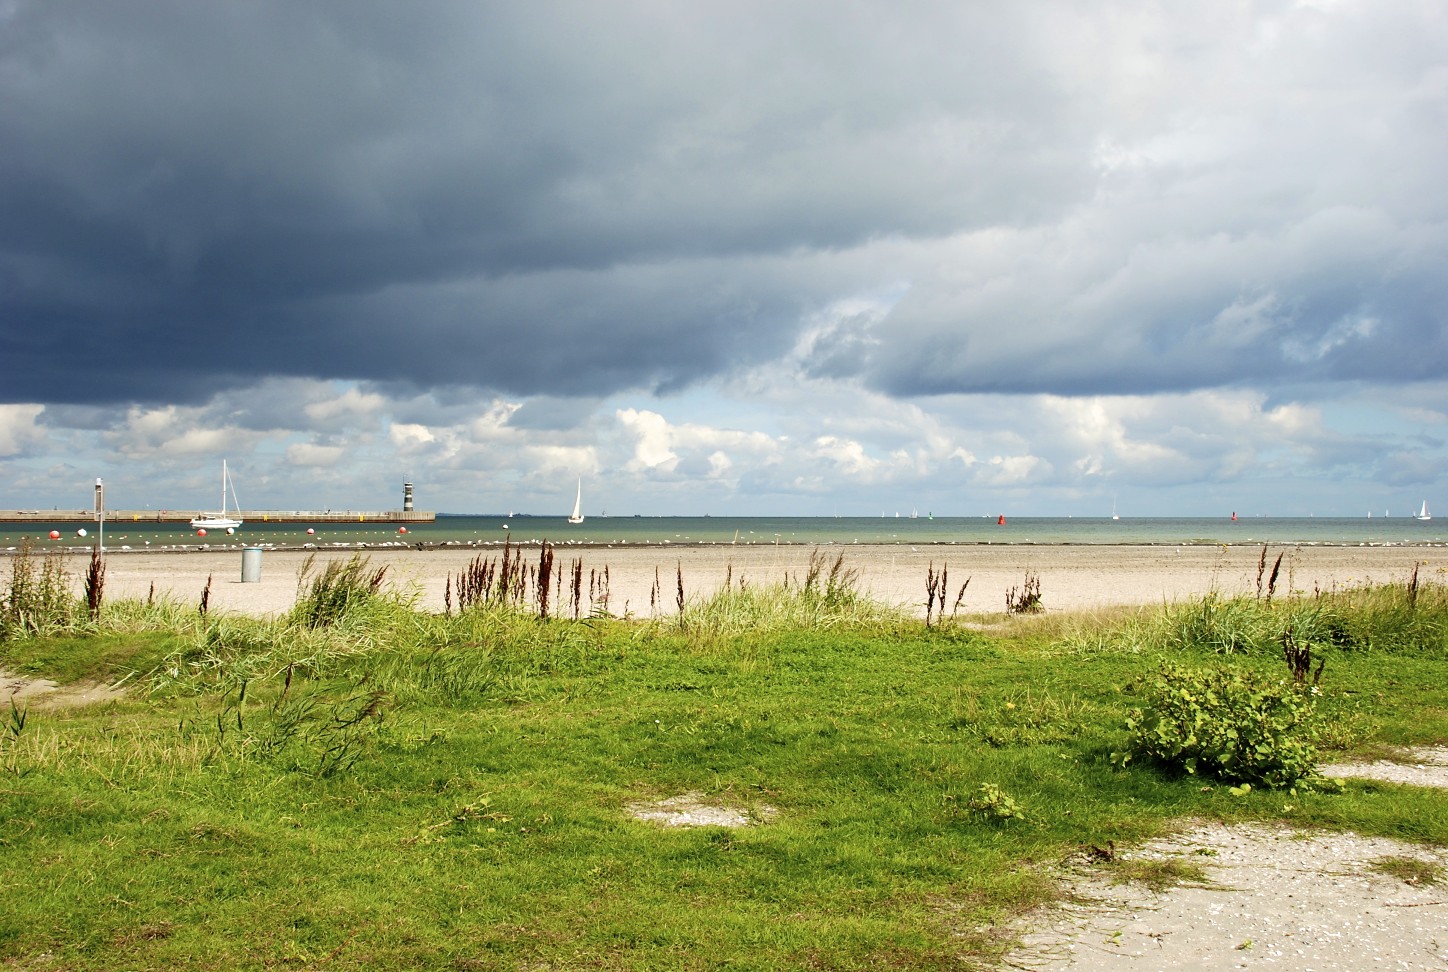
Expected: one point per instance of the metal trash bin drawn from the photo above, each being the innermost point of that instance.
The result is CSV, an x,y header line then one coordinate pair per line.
x,y
251,565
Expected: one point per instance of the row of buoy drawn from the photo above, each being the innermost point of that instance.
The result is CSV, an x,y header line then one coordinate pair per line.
x,y
311,532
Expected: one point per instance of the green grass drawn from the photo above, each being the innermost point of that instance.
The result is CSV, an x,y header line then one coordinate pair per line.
x,y
389,789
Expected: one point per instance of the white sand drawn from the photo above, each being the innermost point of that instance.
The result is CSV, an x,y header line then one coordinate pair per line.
x,y
1072,577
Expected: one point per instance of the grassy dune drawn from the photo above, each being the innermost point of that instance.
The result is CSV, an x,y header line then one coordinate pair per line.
x,y
361,784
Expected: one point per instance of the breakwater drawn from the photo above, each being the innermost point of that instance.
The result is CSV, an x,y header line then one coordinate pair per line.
x,y
118,517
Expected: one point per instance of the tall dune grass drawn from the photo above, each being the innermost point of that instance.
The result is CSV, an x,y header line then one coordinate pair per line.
x,y
1408,617
827,597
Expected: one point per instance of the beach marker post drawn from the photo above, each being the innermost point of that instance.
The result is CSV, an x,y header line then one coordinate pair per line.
x,y
100,517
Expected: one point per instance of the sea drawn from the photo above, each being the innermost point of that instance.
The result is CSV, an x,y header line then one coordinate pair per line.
x,y
495,529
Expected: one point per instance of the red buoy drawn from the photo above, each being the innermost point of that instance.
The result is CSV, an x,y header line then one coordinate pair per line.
x,y
201,532
1001,520
310,531
55,534
402,529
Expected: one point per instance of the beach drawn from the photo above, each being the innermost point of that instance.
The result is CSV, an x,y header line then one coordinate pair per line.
x,y
1072,577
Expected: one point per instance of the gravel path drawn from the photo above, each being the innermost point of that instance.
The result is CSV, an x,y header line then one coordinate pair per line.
x,y
1275,898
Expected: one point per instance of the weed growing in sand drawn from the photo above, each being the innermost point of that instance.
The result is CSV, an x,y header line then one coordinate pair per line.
x,y
1025,599
1409,870
1157,874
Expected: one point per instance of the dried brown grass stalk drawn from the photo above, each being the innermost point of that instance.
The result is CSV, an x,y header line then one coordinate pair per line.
x,y
577,588
544,578
1298,656
1272,579
95,582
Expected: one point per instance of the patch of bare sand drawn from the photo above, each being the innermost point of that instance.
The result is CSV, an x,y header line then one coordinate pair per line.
x,y
696,810
1275,898
1423,766
42,693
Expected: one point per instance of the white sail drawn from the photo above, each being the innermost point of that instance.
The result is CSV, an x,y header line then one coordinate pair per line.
x,y
577,516
1423,514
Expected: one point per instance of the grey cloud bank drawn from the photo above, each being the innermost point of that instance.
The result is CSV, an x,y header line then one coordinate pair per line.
x,y
222,218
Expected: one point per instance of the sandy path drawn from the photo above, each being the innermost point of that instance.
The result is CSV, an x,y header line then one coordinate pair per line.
x,y
1072,577
1277,898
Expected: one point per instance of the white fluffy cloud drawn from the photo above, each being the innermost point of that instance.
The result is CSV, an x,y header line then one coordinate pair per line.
x,y
19,432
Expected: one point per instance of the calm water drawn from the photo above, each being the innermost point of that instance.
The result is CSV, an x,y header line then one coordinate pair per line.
x,y
783,530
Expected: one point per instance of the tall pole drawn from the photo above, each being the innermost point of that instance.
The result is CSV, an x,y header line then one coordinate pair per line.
x,y
100,516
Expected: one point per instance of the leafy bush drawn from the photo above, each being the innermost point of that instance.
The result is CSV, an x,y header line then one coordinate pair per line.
x,y
1237,726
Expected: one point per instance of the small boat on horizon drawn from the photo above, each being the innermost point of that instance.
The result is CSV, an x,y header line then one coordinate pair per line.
x,y
1423,514
221,521
577,516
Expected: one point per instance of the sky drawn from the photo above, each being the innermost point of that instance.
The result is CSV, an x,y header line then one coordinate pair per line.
x,y
733,257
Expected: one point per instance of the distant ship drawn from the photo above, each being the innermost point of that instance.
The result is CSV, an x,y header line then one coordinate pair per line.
x,y
1423,514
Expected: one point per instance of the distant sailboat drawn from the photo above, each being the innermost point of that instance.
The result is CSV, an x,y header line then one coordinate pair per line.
x,y
1113,509
1423,514
577,516
220,521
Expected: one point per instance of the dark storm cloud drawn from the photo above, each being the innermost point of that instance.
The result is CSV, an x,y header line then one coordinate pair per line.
x,y
273,175
577,198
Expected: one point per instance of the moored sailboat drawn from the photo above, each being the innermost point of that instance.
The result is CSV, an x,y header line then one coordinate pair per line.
x,y
221,521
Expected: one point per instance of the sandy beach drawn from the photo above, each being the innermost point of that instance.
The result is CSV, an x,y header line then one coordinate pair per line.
x,y
1072,578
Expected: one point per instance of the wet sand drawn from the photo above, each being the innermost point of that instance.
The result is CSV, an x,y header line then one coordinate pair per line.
x,y
1072,578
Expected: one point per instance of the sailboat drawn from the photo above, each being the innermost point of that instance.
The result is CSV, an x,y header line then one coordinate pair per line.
x,y
577,516
1423,514
220,521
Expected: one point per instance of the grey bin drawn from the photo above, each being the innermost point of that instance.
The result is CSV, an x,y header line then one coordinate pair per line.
x,y
251,565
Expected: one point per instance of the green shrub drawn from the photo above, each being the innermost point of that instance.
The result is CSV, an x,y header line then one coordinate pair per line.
x,y
1237,726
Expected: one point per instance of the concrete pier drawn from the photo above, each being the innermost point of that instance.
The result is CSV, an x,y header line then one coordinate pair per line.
x,y
119,517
